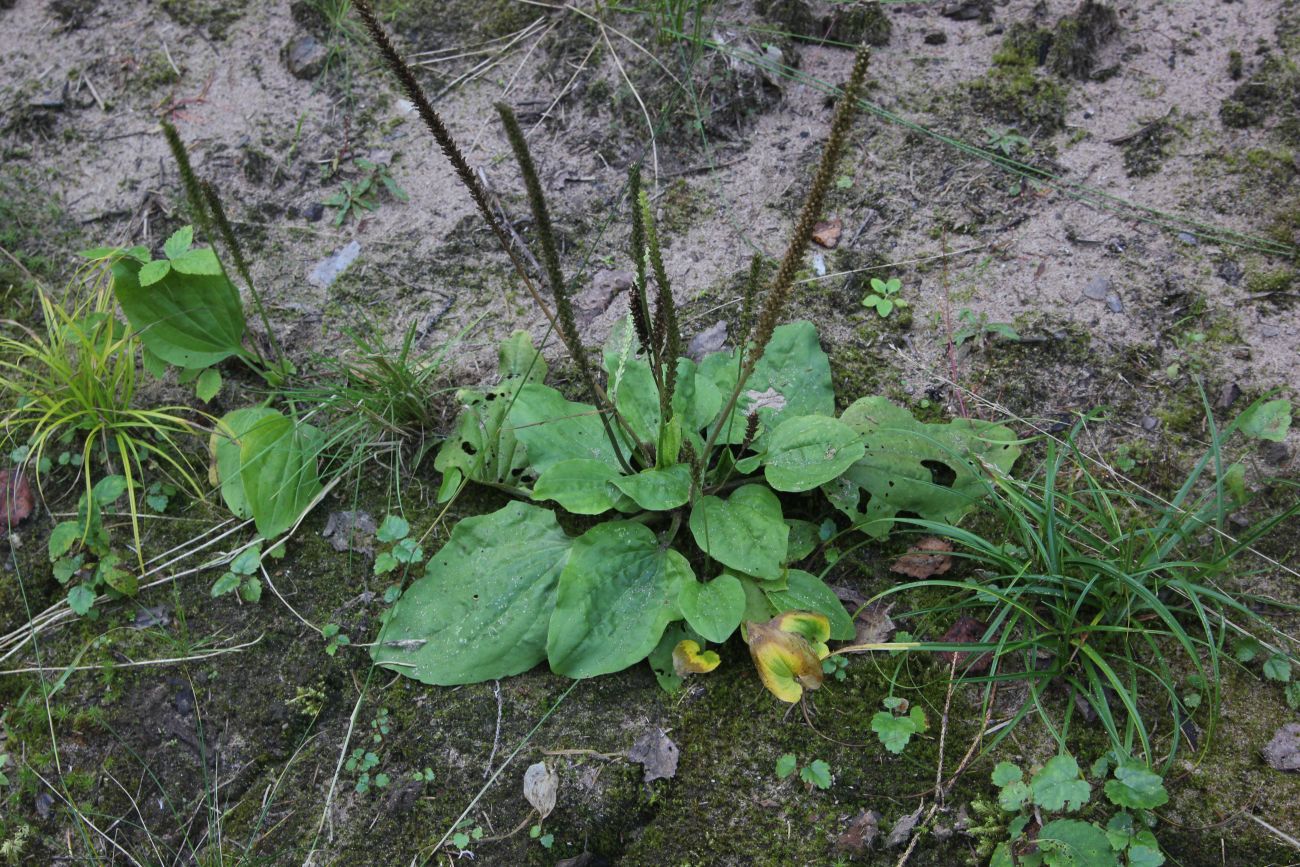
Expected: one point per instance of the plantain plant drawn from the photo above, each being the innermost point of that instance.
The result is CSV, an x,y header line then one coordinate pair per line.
x,y
675,471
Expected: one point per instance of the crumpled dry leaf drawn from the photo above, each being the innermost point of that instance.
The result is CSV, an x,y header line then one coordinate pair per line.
x,y
350,531
827,232
540,786
657,754
16,502
874,624
903,828
966,630
689,659
787,662
861,833
925,559
1283,752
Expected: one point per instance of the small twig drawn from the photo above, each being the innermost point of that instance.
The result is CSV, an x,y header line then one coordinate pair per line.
x,y
496,738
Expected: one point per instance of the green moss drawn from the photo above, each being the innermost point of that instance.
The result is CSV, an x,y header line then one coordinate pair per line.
x,y
859,22
1146,150
1267,282
1077,38
214,16
419,20
1016,93
791,16
155,71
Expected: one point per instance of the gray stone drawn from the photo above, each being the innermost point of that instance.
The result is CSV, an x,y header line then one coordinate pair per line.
x,y
328,269
1114,304
1097,289
1150,422
709,340
305,56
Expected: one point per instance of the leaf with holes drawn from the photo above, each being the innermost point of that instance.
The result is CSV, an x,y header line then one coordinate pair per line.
x,y
910,466
481,610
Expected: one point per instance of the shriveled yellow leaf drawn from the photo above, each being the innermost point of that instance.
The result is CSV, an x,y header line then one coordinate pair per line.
x,y
688,658
787,664
812,627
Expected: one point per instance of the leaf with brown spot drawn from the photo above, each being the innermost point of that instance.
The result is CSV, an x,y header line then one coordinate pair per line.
x,y
967,630
827,232
16,502
927,558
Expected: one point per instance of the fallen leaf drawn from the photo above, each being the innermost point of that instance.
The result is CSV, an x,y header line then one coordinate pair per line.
x,y
966,630
1283,752
902,830
861,833
874,624
925,559
787,663
350,531
16,501
657,754
540,785
827,232
709,340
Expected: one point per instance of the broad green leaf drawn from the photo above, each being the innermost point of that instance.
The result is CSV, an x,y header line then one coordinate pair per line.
x,y
517,359
615,597
1078,844
745,531
793,378
657,490
1006,773
154,271
227,583
758,607
806,592
481,447
715,609
696,400
1058,786
156,367
64,535
804,538
224,444
202,263
108,489
910,466
189,320
209,383
1269,420
481,610
554,429
393,528
806,451
1137,788
179,242
277,465
580,485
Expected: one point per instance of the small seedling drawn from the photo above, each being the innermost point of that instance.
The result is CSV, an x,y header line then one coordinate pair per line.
x,y
547,840
895,725
362,762
424,776
359,195
241,576
462,839
159,495
334,639
1007,141
882,296
379,725
82,548
980,327
404,552
816,773
836,667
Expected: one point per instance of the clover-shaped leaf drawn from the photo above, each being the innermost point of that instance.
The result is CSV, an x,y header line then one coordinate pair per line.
x,y
896,731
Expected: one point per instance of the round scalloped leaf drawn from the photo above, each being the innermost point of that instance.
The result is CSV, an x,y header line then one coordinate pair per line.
x,y
480,612
1058,785
1078,844
715,609
807,451
1137,788
745,531
1269,420
615,596
1006,773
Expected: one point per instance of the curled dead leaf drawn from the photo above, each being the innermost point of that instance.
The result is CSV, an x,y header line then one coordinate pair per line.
x,y
540,787
656,754
925,559
16,502
787,662
967,630
861,833
827,232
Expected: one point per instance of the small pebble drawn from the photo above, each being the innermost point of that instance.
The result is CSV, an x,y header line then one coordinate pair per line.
x,y
1114,304
1150,422
1097,289
1188,238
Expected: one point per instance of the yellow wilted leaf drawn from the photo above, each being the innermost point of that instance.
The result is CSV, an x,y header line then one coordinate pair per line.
x,y
786,662
689,659
814,628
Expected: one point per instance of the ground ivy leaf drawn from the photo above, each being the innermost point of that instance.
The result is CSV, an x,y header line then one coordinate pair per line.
x,y
715,609
745,531
392,529
896,731
614,598
1013,796
806,451
64,535
785,765
1058,785
1006,773
1277,667
481,610
225,584
806,592
81,599
1137,788
657,490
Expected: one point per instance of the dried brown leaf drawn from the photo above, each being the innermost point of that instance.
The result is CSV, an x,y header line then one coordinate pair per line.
x,y
16,502
967,630
925,559
827,232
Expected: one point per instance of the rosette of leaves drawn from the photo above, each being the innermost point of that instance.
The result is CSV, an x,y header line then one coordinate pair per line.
x,y
688,545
